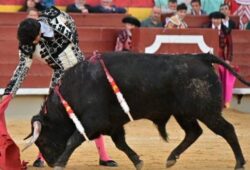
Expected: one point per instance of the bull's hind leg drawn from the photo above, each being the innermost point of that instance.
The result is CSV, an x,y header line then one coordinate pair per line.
x,y
118,138
192,132
73,142
223,128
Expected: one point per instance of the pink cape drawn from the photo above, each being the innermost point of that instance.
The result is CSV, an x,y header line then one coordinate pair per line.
x,y
9,151
227,82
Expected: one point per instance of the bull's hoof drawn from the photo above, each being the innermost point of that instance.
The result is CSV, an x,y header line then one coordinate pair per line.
x,y
39,163
139,165
58,168
170,163
109,163
240,165
241,168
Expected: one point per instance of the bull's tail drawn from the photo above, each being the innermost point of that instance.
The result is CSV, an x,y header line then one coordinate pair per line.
x,y
213,59
161,127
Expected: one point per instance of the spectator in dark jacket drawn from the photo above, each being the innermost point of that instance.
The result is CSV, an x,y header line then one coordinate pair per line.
x,y
32,4
224,8
154,20
196,8
79,6
106,6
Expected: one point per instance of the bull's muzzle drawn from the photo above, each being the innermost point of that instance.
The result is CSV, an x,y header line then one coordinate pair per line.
x,y
36,132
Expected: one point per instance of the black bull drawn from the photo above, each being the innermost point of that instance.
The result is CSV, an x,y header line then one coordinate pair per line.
x,y
154,86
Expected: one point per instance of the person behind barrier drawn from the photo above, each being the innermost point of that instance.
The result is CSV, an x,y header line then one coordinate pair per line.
x,y
32,4
79,6
225,51
33,13
107,6
196,8
177,21
124,39
154,20
224,8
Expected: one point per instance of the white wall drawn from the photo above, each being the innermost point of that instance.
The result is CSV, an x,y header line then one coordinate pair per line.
x,y
25,106
244,105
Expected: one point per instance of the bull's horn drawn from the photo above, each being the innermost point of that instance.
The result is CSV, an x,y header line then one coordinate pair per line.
x,y
36,132
29,135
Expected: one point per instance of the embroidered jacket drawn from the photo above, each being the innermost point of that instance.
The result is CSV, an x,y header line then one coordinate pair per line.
x,y
123,42
175,22
225,43
225,50
60,52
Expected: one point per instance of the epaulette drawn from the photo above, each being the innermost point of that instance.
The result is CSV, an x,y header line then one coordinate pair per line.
x,y
51,12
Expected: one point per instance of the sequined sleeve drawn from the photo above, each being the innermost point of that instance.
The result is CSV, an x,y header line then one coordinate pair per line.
x,y
70,23
19,74
56,77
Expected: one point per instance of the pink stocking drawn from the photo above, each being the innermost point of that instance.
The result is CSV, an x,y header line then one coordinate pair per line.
x,y
101,148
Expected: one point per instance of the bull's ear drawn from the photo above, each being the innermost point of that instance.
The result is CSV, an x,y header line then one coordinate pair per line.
x,y
28,136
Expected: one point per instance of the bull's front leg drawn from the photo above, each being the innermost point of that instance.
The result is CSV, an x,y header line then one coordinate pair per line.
x,y
74,141
118,138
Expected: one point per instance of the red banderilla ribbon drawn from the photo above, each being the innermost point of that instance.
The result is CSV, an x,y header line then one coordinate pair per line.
x,y
117,91
71,114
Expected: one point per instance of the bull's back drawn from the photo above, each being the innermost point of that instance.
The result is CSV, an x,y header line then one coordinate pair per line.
x,y
167,82
152,83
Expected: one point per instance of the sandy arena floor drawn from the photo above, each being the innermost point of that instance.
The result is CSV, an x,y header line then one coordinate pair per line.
x,y
210,152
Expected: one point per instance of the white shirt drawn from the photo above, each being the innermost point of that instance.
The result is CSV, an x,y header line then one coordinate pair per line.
x,y
226,22
46,30
214,27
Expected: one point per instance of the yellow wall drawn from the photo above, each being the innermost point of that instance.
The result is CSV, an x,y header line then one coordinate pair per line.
x,y
15,8
9,8
140,13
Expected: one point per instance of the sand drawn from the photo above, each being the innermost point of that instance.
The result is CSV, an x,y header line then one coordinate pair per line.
x,y
209,152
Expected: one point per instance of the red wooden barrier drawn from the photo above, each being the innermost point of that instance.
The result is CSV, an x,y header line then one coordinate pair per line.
x,y
241,53
103,39
91,39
